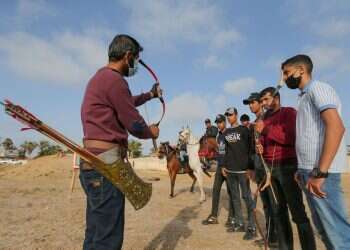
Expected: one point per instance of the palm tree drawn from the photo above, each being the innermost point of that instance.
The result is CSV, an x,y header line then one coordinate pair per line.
x,y
135,149
8,144
29,146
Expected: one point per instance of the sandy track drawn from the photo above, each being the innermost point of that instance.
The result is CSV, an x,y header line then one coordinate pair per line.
x,y
37,211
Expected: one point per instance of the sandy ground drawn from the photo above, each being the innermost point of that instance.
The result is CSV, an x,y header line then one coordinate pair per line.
x,y
37,211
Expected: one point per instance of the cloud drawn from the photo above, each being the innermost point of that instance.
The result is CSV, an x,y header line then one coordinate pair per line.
x,y
331,63
64,58
239,86
187,107
32,9
211,61
333,28
325,57
170,25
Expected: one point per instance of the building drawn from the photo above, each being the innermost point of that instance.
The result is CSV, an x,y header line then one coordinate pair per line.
x,y
8,154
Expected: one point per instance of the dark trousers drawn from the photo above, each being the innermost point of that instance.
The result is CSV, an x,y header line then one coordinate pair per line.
x,y
265,199
104,212
289,196
218,181
239,183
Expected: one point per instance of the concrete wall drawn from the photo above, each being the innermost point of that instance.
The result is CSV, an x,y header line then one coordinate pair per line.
x,y
149,163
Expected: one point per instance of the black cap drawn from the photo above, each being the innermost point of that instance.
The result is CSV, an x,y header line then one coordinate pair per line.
x,y
253,97
207,120
220,118
231,111
244,118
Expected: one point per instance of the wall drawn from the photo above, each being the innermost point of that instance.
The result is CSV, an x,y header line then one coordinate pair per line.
x,y
149,163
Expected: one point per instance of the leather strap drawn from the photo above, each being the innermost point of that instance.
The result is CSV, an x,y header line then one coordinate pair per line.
x,y
105,145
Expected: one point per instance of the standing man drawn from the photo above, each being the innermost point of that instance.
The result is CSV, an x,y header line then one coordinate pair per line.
x,y
245,120
321,151
236,161
277,137
219,178
211,131
258,174
108,113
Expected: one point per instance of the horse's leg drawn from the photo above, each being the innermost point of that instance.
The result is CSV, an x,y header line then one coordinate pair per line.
x,y
190,173
198,173
172,183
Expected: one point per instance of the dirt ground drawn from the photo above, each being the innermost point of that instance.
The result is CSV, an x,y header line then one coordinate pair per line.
x,y
37,211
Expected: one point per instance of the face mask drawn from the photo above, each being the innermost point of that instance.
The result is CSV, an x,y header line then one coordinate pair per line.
x,y
132,70
293,82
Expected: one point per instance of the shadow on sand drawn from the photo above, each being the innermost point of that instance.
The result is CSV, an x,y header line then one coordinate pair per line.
x,y
176,229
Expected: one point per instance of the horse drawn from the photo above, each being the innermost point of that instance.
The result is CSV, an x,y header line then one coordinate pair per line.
x,y
174,165
186,136
208,150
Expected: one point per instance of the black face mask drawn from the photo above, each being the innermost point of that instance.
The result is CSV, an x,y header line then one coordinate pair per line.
x,y
293,82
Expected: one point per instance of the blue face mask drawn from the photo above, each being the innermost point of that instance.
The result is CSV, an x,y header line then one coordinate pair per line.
x,y
132,70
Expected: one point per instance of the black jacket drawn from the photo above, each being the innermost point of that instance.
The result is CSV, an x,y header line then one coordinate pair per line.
x,y
238,148
220,139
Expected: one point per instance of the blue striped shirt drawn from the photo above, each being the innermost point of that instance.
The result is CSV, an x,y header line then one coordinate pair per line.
x,y
310,128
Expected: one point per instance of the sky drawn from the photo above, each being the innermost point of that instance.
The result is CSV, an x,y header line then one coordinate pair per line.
x,y
208,55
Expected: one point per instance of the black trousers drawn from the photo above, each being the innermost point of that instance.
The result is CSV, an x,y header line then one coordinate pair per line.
x,y
289,197
239,183
218,181
265,199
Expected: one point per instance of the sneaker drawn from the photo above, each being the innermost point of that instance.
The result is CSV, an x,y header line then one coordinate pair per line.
x,y
236,227
230,221
210,220
250,234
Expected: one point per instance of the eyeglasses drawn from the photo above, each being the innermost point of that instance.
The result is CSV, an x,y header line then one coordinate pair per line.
x,y
229,114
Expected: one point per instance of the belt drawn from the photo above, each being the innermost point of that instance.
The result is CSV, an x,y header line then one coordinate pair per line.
x,y
99,144
118,151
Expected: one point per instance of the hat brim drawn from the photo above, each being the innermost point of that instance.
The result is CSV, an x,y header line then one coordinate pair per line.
x,y
246,101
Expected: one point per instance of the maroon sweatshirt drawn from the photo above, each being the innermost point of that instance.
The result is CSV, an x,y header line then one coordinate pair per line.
x,y
109,110
278,137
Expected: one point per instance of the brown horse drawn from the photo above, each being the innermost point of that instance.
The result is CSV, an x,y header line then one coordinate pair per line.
x,y
174,165
208,150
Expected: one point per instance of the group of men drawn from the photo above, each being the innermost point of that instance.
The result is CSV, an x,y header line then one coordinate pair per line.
x,y
286,152
302,150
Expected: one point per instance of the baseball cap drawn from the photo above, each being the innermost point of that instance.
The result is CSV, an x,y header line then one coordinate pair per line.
x,y
244,117
253,97
231,111
220,118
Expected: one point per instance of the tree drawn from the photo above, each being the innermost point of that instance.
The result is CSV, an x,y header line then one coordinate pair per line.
x,y
28,146
8,144
47,149
135,149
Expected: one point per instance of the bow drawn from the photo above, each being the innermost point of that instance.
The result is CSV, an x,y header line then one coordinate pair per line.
x,y
161,99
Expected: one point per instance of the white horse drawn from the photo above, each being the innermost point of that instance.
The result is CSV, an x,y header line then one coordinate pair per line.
x,y
186,136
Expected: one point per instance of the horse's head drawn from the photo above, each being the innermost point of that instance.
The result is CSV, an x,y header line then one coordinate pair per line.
x,y
184,135
163,150
207,148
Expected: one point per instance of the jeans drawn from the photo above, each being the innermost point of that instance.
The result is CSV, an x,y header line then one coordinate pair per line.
x,y
329,214
289,196
183,154
237,182
104,212
105,208
218,181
